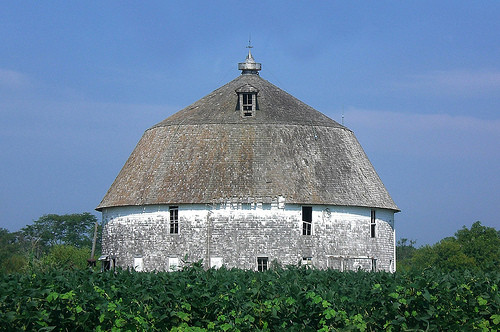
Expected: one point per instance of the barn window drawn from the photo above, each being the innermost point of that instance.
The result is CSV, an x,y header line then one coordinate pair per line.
x,y
215,262
372,223
374,265
138,264
306,220
107,263
307,261
173,264
174,219
262,263
247,100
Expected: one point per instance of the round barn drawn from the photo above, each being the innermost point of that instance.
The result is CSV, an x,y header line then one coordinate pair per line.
x,y
246,176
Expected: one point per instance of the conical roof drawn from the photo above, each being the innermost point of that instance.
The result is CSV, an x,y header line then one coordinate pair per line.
x,y
209,152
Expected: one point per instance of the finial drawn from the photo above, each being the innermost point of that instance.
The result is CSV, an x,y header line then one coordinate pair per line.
x,y
249,66
249,42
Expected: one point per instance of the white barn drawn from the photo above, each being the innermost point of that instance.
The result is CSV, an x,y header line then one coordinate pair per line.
x,y
245,176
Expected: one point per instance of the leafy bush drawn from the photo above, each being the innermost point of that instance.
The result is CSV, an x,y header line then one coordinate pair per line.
x,y
66,256
14,263
12,251
477,248
289,299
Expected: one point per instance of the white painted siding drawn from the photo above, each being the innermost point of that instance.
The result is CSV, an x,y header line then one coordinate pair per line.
x,y
238,233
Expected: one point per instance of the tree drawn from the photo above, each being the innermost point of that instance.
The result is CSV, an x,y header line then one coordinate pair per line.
x,y
482,244
66,257
12,251
52,240
405,249
446,255
69,229
474,248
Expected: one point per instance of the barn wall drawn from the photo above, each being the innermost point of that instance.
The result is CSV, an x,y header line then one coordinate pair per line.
x,y
238,233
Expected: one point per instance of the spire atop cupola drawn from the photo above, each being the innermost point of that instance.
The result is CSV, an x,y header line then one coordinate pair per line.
x,y
249,66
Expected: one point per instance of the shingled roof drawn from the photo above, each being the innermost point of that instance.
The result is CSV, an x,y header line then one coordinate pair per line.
x,y
209,152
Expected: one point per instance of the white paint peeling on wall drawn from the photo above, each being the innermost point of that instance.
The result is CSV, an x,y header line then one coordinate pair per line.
x,y
236,234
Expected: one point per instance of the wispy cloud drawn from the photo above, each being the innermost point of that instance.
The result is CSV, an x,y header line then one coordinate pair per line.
x,y
12,79
433,135
454,82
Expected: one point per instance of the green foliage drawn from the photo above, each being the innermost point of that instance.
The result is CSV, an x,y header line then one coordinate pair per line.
x,y
482,244
447,255
66,256
477,248
290,299
53,229
14,263
12,249
405,249
63,241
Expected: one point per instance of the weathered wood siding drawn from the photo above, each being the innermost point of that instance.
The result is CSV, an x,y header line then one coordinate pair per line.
x,y
239,232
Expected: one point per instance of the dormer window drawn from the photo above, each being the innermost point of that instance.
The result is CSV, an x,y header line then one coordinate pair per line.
x,y
247,100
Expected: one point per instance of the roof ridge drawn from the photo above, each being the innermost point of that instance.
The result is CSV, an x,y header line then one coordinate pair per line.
x,y
275,105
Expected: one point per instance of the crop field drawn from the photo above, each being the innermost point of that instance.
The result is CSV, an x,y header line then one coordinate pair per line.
x,y
281,299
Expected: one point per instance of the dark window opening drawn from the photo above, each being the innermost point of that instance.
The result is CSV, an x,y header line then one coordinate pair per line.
x,y
372,223
306,220
247,101
262,264
374,265
174,220
307,261
107,263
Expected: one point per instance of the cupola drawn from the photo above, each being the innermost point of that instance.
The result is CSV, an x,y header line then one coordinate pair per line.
x,y
249,66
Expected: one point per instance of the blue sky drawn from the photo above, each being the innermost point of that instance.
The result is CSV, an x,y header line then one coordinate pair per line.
x,y
417,81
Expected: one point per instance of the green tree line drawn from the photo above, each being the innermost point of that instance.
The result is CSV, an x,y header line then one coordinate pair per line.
x,y
477,248
65,241
62,241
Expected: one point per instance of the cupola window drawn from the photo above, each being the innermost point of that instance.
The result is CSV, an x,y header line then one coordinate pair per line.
x,y
247,100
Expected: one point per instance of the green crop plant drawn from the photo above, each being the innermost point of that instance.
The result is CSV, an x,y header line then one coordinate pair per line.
x,y
280,299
